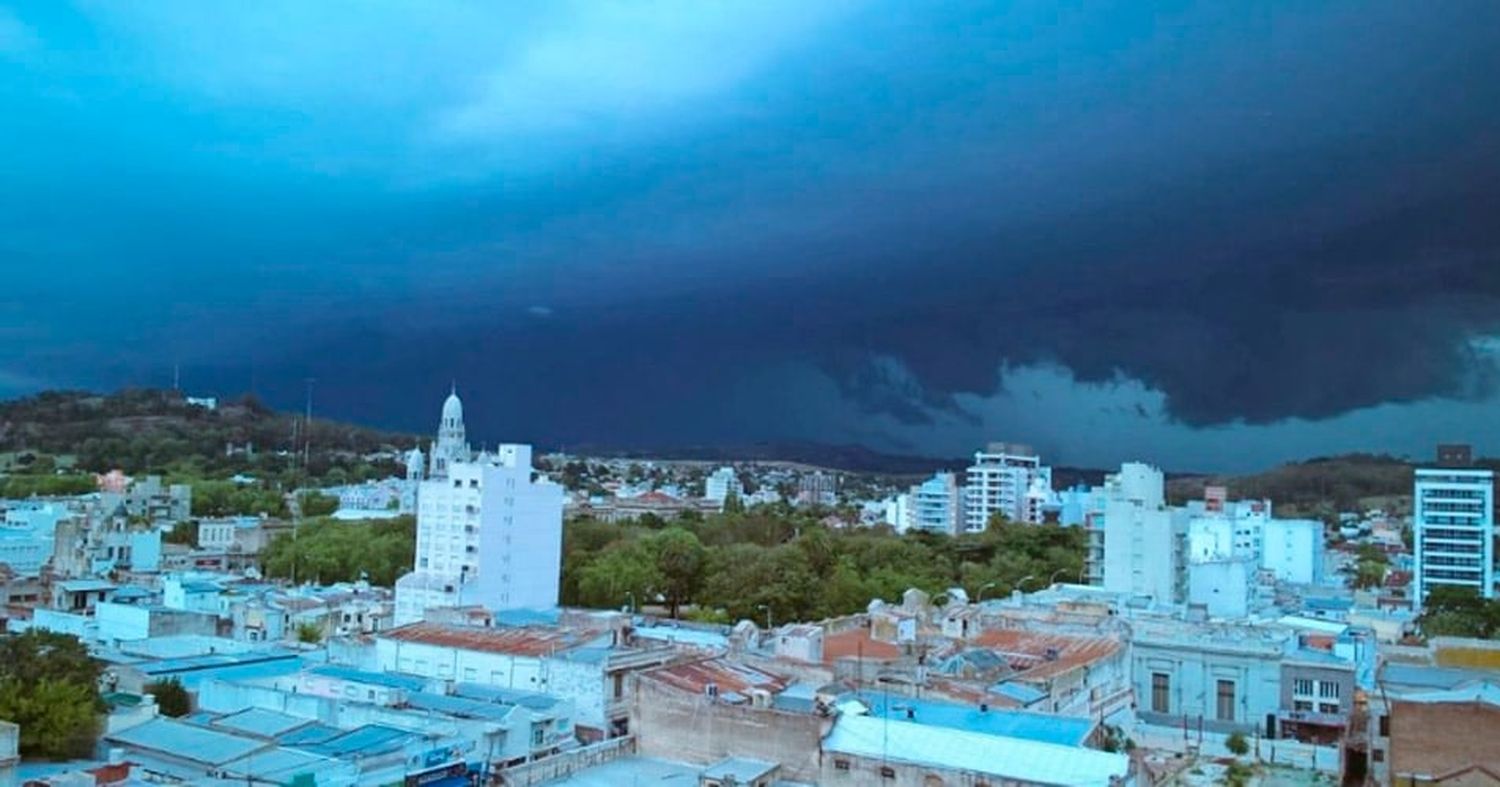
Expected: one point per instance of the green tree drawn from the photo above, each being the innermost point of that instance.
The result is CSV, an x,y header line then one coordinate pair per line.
x,y
49,686
317,504
621,573
1236,744
680,561
309,633
171,697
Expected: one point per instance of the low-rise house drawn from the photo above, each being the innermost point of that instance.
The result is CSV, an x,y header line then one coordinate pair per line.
x,y
869,750
588,666
706,710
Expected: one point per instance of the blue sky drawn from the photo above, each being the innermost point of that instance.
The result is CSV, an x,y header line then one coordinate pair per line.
x,y
1212,235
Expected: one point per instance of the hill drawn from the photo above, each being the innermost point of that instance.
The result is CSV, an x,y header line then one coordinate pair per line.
x,y
155,431
1338,483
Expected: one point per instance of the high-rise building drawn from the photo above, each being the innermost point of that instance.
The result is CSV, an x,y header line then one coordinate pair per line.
x,y
935,505
817,489
1453,524
721,485
1144,541
489,531
999,482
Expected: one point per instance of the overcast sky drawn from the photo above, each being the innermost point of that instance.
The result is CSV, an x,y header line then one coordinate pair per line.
x,y
1212,235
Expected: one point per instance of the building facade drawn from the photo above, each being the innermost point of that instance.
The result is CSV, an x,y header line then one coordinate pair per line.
x,y
998,482
1453,524
489,530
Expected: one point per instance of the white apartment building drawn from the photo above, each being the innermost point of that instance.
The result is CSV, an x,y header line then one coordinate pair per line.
x,y
1144,541
935,505
721,485
998,483
489,533
1453,521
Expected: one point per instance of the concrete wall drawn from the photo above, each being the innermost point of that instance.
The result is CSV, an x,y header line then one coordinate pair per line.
x,y
583,683
677,725
1193,675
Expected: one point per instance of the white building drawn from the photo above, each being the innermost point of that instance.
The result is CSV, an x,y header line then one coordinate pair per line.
x,y
1453,522
721,485
489,532
1144,541
1292,550
998,483
935,505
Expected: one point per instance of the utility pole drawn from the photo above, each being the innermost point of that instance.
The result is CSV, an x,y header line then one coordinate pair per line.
x,y
307,425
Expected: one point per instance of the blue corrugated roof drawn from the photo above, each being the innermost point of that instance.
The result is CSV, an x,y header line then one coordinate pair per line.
x,y
312,733
260,722
1061,730
1020,692
394,680
461,707
364,741
527,699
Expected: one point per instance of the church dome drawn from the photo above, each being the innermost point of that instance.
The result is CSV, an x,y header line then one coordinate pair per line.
x,y
453,409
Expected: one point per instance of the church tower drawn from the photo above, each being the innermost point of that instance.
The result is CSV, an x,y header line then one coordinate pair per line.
x,y
451,446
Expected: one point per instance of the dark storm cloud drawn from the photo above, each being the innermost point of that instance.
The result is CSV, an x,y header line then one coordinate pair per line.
x,y
750,222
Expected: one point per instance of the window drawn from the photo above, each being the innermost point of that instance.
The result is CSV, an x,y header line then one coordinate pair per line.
x,y
1226,700
1328,707
1303,687
1328,690
1385,725
1378,755
841,765
1160,692
887,772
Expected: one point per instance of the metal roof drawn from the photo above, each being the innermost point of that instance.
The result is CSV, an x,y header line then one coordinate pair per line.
x,y
85,585
393,680
260,722
461,707
1042,727
186,741
741,769
1002,757
366,741
528,699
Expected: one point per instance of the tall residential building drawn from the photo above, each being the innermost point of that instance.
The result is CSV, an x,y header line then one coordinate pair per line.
x,y
1453,522
1144,541
489,532
721,485
817,489
935,505
998,483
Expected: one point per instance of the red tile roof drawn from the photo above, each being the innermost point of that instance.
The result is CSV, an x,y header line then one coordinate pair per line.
x,y
695,676
527,641
1028,651
856,643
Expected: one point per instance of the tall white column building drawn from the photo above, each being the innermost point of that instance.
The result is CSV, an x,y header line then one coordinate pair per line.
x,y
489,532
999,482
1145,542
1453,525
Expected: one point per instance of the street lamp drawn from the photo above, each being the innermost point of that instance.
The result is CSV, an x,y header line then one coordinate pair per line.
x,y
631,595
1021,583
1053,579
767,608
986,586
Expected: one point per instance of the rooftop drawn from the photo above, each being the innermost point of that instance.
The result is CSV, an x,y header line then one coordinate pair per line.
x,y
523,641
390,680
857,643
259,722
186,741
1040,655
1002,757
632,770
1046,728
729,677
